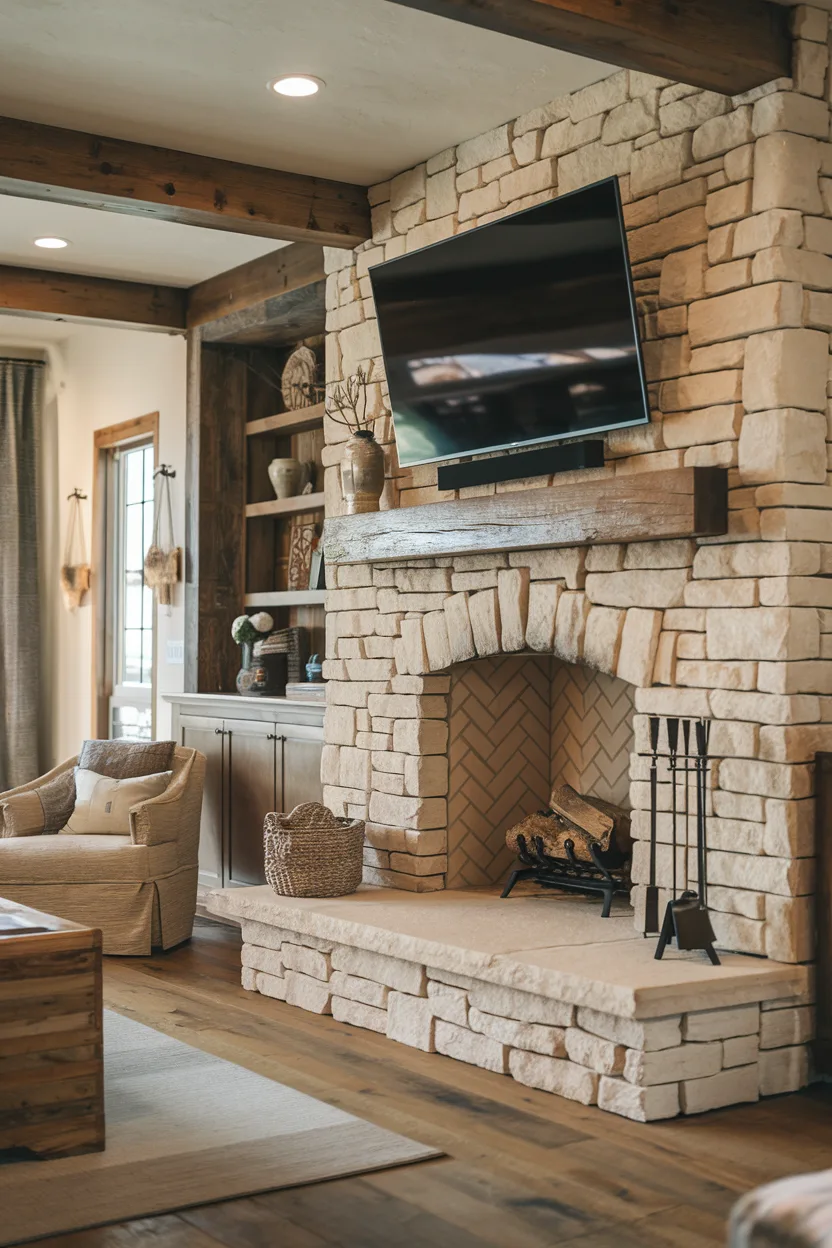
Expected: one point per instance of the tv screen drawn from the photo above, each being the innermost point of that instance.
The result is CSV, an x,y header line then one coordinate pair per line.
x,y
521,331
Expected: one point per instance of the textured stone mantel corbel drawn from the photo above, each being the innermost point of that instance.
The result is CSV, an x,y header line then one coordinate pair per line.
x,y
638,507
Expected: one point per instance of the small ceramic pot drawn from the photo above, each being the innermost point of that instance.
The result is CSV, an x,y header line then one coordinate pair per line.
x,y
362,473
288,477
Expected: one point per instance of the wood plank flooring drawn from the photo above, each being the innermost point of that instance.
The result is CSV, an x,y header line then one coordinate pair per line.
x,y
523,1169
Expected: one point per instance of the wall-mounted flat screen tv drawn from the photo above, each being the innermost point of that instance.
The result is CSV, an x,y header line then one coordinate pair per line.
x,y
517,332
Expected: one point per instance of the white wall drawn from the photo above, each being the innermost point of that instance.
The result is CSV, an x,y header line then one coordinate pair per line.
x,y
97,377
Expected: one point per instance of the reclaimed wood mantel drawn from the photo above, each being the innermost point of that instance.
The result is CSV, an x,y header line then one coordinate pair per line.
x,y
638,507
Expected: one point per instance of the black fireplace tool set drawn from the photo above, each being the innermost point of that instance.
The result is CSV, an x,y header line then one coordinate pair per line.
x,y
686,916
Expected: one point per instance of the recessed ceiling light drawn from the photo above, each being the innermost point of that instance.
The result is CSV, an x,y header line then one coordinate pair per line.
x,y
53,244
296,85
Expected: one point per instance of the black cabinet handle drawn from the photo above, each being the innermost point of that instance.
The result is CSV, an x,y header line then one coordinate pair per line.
x,y
219,732
273,736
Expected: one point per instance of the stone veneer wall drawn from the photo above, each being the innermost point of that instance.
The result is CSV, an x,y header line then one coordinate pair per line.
x,y
727,205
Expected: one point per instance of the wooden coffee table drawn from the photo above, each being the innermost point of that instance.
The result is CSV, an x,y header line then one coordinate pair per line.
x,y
51,1047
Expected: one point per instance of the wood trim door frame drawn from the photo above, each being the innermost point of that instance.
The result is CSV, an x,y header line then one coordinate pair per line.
x,y
139,428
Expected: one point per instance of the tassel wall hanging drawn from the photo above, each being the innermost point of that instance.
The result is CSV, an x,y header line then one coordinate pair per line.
x,y
163,561
75,571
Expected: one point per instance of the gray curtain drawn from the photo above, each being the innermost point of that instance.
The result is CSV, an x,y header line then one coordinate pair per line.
x,y
21,389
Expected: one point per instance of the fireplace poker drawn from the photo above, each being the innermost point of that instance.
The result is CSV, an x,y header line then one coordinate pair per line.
x,y
703,732
686,744
651,903
673,747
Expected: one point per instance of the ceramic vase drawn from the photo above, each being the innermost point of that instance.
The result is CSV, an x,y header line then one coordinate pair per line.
x,y
288,477
362,473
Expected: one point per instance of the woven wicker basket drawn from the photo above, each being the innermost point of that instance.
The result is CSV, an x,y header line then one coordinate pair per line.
x,y
312,853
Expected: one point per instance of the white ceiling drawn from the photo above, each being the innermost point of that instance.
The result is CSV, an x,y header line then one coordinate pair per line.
x,y
108,244
191,74
401,85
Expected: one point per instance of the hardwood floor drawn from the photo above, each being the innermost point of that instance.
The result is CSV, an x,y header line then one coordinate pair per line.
x,y
523,1169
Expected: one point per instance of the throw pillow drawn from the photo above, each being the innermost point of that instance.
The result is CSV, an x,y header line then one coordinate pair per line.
x,y
21,815
123,759
102,804
57,797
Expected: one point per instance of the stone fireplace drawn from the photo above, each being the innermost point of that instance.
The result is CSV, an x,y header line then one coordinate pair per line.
x,y
460,684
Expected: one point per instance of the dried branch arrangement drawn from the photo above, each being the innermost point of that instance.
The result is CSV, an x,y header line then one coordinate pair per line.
x,y
347,403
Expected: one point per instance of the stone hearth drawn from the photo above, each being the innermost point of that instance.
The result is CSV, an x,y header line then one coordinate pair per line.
x,y
539,988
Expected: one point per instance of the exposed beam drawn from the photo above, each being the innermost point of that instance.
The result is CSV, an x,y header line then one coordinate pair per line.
x,y
278,273
722,45
71,167
72,296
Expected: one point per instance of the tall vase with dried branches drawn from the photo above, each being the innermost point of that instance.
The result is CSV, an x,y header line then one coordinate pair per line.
x,y
362,464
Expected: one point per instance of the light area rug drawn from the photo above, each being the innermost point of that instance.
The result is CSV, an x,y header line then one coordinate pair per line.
x,y
186,1128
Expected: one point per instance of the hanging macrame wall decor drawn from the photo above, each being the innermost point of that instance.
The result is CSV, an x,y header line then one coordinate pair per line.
x,y
163,561
75,568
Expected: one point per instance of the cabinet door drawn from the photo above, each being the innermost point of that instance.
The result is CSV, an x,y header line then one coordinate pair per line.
x,y
299,778
252,768
205,734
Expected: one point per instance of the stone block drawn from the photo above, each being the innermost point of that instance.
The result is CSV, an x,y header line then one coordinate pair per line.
x,y
395,973
484,614
355,988
262,959
778,227
448,1002
513,598
786,168
591,163
735,1020
646,587
436,640
359,1014
310,962
731,203
809,64
631,119
539,118
570,623
604,1056
565,564
640,1104
741,1051
788,110
339,725
783,780
527,181
700,390
599,97
354,768
408,811
566,136
790,928
786,368
662,163
730,1087
784,1070
789,1026
543,605
534,1037
722,133
477,151
524,1006
415,736
410,1020
460,636
440,194
469,1046
772,633
683,276
407,188
272,986
639,643
426,777
686,1061
248,978
602,638
553,1074
703,426
782,446
308,993
743,312
649,1035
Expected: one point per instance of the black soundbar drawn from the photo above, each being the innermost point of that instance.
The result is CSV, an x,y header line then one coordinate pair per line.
x,y
542,462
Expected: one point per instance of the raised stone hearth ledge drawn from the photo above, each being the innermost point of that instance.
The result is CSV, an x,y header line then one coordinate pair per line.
x,y
679,503
540,988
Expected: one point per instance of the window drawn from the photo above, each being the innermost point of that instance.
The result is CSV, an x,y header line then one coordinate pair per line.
x,y
131,703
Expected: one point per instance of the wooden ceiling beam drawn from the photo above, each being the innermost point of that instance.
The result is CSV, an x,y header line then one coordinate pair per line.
x,y
728,46
278,273
72,296
71,167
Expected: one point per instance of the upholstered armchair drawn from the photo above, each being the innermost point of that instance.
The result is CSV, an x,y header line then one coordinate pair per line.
x,y
139,888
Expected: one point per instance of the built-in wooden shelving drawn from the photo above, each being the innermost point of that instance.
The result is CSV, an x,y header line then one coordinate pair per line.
x,y
287,598
288,422
286,506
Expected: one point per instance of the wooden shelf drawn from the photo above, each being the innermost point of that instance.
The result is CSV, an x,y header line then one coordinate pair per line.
x,y
638,507
287,598
288,422
286,506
